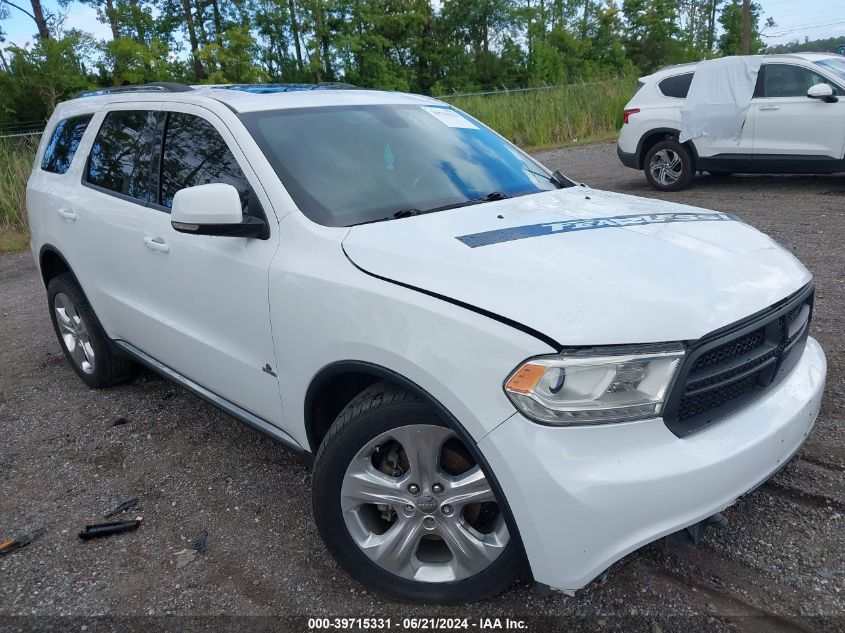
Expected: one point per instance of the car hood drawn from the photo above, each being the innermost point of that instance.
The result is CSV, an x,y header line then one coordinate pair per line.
x,y
586,267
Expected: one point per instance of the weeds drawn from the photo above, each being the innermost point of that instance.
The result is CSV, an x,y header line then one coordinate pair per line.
x,y
16,155
554,116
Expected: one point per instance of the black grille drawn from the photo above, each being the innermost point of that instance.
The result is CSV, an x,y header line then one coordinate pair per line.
x,y
732,367
731,349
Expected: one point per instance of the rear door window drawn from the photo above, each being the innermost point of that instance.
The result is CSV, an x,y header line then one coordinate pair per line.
x,y
120,156
59,152
677,86
194,154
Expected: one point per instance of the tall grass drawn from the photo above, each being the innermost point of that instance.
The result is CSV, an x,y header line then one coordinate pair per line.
x,y
16,156
547,117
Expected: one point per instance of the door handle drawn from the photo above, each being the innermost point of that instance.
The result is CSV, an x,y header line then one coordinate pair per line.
x,y
156,244
770,107
67,214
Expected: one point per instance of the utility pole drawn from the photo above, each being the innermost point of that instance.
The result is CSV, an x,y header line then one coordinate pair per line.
x,y
745,42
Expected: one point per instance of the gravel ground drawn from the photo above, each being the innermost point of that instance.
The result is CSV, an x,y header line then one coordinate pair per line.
x,y
780,565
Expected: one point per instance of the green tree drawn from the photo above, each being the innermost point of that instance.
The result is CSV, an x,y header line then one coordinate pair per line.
x,y
731,21
653,36
232,59
45,73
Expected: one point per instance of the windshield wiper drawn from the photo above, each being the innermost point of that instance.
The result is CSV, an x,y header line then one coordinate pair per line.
x,y
557,178
406,213
562,181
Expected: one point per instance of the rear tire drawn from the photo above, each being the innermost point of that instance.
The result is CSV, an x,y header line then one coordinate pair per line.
x,y
89,351
669,166
394,528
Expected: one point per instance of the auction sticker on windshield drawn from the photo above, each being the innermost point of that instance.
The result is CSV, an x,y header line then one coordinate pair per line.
x,y
447,116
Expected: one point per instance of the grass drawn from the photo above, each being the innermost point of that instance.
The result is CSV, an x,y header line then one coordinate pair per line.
x,y
16,155
552,117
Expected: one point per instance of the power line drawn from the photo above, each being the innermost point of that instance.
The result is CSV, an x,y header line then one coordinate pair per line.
x,y
802,28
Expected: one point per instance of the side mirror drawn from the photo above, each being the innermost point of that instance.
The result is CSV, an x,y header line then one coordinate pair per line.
x,y
823,92
213,209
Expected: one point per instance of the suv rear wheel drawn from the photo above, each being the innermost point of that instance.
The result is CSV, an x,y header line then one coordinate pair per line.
x,y
669,166
405,508
84,342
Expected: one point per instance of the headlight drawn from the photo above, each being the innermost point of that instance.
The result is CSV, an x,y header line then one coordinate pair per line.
x,y
582,389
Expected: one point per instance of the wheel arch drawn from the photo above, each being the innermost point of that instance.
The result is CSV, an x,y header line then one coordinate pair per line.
x,y
343,376
51,263
336,384
652,137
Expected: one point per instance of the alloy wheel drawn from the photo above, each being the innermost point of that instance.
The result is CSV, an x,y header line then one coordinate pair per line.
x,y
416,503
74,333
666,166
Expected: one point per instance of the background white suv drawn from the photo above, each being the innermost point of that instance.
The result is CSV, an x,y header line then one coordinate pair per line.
x,y
492,370
789,128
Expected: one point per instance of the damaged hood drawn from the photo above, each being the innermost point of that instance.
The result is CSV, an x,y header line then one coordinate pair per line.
x,y
587,267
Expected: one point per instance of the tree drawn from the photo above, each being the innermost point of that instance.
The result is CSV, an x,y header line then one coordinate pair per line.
x,y
730,42
653,37
105,13
37,15
199,71
45,73
232,59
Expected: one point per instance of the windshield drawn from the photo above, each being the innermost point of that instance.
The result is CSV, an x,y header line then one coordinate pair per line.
x,y
835,65
346,165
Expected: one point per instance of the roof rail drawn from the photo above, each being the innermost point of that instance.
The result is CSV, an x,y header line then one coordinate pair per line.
x,y
286,87
156,86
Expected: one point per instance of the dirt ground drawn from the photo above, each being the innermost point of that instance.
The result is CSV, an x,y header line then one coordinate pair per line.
x,y
780,564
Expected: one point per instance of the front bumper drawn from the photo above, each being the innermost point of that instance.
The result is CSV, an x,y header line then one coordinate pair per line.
x,y
628,159
584,497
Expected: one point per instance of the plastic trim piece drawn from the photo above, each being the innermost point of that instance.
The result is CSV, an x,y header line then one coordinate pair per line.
x,y
220,402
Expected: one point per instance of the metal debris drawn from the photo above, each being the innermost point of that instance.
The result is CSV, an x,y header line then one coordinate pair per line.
x,y
96,530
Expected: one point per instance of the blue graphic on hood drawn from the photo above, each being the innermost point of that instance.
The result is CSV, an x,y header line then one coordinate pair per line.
x,y
474,240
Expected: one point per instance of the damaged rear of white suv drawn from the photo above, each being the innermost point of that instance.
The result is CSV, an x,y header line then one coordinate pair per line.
x,y
495,370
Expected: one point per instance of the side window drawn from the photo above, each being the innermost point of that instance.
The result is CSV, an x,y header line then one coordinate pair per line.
x,y
58,155
783,80
120,156
194,153
677,86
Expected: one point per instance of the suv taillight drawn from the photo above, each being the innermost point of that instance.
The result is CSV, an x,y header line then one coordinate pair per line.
x,y
626,114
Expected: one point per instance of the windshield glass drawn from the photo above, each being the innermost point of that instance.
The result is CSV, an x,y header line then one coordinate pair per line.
x,y
346,165
835,65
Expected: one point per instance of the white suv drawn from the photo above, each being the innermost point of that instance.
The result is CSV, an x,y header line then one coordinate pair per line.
x,y
493,369
795,124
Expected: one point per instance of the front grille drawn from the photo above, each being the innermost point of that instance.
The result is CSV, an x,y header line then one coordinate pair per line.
x,y
732,367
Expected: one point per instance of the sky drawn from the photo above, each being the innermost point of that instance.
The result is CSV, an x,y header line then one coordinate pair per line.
x,y
796,19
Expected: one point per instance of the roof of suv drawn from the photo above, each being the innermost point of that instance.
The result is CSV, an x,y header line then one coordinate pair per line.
x,y
248,97
679,69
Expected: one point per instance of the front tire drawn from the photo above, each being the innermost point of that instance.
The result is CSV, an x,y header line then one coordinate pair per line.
x,y
405,508
669,166
84,342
